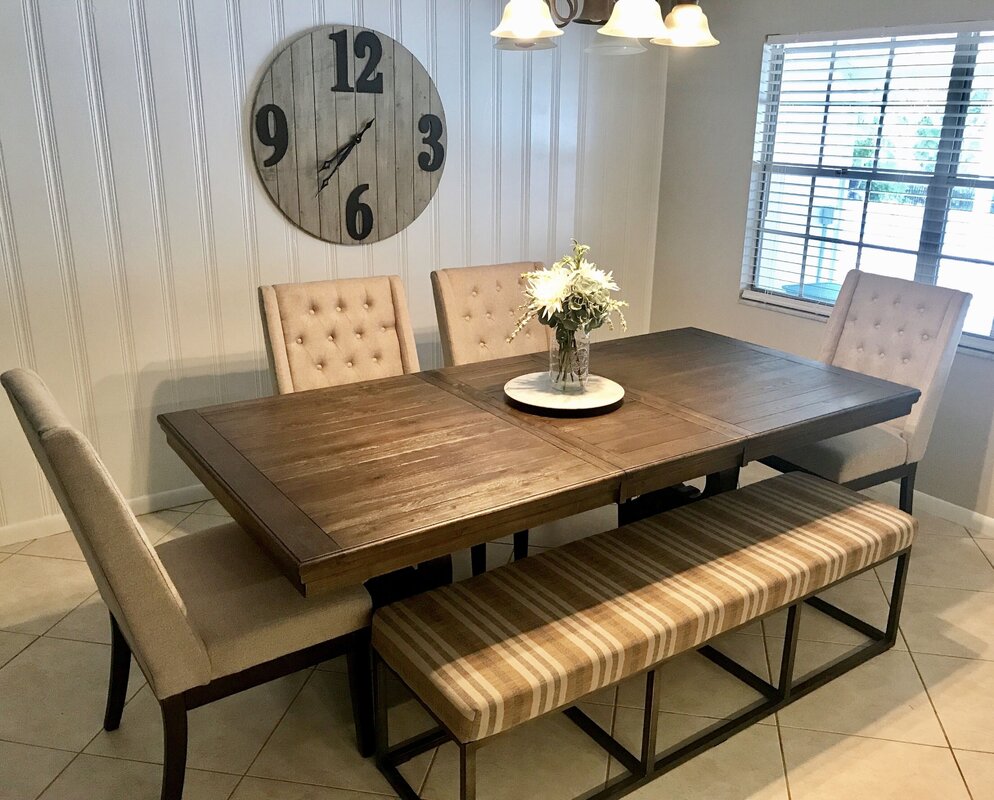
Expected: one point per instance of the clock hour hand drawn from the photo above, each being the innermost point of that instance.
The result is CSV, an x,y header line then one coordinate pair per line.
x,y
339,156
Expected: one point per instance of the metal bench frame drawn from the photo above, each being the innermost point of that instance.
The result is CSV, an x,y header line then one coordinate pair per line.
x,y
648,765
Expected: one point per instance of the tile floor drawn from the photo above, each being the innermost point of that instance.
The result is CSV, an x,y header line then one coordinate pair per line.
x,y
917,722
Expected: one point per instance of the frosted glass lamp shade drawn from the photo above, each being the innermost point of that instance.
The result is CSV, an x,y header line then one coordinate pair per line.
x,y
526,21
615,46
635,19
687,26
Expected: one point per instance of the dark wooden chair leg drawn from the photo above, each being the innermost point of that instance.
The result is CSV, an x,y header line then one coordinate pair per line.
x,y
908,490
478,555
360,666
120,667
520,545
174,747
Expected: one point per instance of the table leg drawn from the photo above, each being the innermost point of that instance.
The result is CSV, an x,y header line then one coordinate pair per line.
x,y
725,481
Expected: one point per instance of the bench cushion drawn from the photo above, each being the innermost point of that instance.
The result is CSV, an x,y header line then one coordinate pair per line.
x,y
492,652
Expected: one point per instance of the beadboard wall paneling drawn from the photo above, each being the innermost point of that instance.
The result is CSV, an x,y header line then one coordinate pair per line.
x,y
134,231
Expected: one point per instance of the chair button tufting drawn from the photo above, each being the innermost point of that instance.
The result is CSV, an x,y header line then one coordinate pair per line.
x,y
489,315
348,364
859,349
924,337
921,309
468,317
331,337
876,324
383,328
320,366
365,305
358,335
338,308
376,360
882,354
299,340
313,311
475,293
905,360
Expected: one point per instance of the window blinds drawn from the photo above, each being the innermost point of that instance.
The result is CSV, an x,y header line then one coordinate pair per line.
x,y
875,154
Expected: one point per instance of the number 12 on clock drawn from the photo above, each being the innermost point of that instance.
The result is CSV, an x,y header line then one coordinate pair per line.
x,y
348,134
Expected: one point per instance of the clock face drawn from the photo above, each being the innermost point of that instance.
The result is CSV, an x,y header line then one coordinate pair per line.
x,y
348,134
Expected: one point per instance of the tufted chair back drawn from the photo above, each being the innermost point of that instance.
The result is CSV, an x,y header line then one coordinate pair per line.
x,y
328,333
477,308
125,566
900,331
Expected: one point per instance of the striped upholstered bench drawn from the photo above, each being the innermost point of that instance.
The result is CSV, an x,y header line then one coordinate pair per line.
x,y
538,635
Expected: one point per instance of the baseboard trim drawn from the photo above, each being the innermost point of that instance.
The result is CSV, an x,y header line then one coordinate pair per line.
x,y
146,504
974,520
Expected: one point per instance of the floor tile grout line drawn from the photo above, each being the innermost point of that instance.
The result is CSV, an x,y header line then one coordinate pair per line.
x,y
310,676
22,554
776,716
942,725
983,552
614,731
40,746
59,775
70,611
337,789
234,789
431,764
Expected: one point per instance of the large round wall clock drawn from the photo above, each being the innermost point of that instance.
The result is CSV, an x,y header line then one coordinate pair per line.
x,y
348,134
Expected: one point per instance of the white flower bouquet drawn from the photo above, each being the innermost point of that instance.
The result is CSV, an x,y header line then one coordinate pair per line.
x,y
572,297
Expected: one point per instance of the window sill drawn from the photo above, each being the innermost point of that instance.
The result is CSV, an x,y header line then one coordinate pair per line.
x,y
970,345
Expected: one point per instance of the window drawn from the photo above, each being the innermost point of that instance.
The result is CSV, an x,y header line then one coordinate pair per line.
x,y
875,154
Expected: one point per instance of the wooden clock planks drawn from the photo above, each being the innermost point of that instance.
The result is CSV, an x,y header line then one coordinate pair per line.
x,y
348,134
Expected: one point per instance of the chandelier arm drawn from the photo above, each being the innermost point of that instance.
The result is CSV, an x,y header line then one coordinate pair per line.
x,y
562,20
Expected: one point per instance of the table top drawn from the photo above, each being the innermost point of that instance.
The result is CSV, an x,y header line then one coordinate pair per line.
x,y
342,484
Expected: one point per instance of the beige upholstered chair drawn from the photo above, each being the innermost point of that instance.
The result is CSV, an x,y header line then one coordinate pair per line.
x,y
327,333
900,331
206,615
477,309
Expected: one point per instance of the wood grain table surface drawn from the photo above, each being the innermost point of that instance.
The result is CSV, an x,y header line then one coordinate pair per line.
x,y
342,484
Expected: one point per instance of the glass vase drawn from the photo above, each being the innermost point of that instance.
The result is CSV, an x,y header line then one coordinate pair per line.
x,y
569,360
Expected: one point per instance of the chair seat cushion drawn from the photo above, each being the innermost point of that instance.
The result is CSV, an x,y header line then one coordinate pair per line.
x,y
243,607
852,455
490,653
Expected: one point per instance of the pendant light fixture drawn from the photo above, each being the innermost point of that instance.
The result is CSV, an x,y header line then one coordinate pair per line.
x,y
526,21
635,19
687,26
533,24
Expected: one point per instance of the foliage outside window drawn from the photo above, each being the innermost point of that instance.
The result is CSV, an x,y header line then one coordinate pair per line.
x,y
874,154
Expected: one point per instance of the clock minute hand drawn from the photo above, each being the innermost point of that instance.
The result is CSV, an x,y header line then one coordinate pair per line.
x,y
335,157
340,155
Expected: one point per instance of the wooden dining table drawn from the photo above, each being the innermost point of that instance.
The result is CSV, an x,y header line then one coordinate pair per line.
x,y
344,484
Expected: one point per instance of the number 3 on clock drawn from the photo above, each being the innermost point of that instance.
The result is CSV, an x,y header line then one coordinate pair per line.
x,y
348,134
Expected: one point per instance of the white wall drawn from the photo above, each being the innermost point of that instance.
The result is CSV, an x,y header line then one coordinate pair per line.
x,y
133,230
710,127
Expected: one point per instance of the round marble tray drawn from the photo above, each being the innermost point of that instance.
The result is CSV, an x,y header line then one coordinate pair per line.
x,y
535,392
